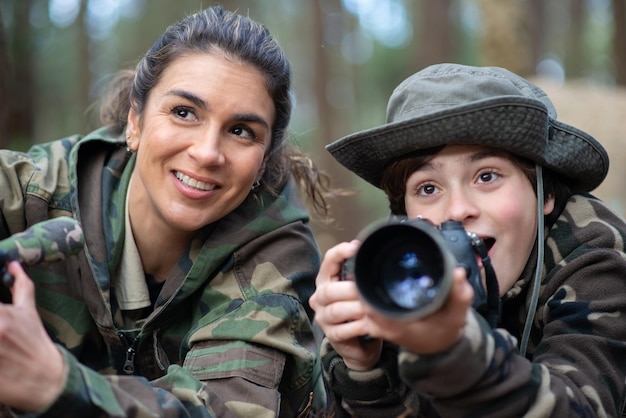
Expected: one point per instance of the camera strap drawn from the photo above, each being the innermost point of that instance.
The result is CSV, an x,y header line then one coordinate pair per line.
x,y
532,309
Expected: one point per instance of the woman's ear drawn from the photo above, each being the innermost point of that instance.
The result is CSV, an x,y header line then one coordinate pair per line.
x,y
133,130
259,174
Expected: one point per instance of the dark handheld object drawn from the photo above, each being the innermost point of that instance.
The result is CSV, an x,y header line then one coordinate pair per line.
x,y
404,268
45,242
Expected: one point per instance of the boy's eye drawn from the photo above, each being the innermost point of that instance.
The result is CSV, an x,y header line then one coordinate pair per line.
x,y
427,189
486,177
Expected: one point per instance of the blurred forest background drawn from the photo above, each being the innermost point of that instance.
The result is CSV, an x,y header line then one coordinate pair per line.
x,y
346,55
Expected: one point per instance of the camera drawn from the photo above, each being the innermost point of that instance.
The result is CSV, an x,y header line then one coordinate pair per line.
x,y
403,268
6,279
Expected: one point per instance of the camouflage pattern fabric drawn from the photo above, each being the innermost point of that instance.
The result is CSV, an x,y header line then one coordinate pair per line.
x,y
576,359
45,242
230,334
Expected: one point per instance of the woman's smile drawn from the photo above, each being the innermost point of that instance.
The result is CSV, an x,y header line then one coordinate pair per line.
x,y
193,183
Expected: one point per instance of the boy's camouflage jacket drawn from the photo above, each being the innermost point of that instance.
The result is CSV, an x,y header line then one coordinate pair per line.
x,y
576,358
230,334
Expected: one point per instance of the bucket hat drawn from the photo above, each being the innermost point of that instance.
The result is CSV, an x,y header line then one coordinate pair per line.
x,y
447,104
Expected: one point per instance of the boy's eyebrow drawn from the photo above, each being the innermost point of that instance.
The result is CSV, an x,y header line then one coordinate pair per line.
x,y
473,157
482,154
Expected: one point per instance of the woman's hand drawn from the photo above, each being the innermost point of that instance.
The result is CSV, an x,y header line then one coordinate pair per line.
x,y
340,312
32,370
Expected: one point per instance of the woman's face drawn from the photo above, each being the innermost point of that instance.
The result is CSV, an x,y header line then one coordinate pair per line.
x,y
201,141
489,194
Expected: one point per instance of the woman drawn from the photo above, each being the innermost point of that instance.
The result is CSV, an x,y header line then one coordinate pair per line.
x,y
190,297
483,147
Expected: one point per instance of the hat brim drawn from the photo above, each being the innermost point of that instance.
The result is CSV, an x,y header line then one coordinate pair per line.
x,y
518,125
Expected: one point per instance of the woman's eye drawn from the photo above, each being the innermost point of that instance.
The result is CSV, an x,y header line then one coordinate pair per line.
x,y
243,132
184,113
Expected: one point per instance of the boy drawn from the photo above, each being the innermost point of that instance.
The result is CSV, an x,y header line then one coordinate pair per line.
x,y
482,146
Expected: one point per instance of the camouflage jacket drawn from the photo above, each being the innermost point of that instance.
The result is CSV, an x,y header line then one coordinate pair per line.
x,y
230,334
575,364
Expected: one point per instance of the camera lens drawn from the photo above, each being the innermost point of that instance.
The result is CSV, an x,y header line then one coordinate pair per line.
x,y
410,281
403,269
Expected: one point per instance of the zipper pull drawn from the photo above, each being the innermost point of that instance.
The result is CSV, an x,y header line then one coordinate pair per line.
x,y
129,364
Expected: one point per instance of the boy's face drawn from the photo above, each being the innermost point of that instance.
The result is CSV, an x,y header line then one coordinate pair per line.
x,y
489,194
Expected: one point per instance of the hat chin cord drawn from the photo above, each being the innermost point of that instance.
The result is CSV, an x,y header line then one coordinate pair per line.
x,y
532,309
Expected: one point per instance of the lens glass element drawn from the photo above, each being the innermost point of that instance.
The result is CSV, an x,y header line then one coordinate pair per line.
x,y
410,281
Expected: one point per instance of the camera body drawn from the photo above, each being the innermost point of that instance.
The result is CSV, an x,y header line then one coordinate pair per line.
x,y
6,280
403,268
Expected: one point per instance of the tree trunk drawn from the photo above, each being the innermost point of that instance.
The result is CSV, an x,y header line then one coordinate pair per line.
x,y
83,84
20,119
4,94
504,37
536,29
435,34
619,15
575,52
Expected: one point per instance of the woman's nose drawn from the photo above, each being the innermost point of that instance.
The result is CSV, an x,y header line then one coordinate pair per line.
x,y
207,148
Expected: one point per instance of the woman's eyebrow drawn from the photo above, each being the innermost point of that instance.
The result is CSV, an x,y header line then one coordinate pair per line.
x,y
244,117
251,117
189,96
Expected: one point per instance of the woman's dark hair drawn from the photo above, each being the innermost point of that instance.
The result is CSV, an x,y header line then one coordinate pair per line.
x,y
238,37
398,172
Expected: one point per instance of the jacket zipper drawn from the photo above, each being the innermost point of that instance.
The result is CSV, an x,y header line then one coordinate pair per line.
x,y
129,363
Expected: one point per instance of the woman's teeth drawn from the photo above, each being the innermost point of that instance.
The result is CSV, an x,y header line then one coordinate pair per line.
x,y
196,184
